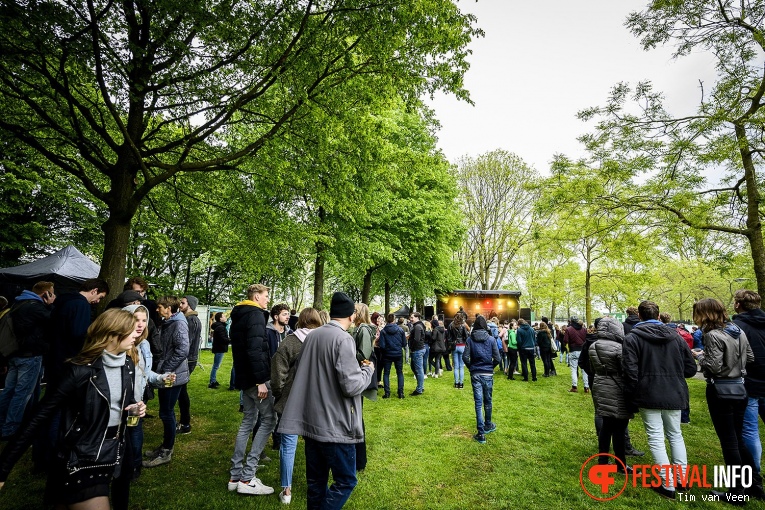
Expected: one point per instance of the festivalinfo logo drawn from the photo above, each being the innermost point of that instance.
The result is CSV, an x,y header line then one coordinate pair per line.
x,y
599,481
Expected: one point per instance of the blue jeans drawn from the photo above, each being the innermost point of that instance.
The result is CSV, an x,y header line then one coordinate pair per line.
x,y
167,399
483,384
459,365
217,360
20,383
399,364
245,468
418,357
751,432
287,449
426,366
320,459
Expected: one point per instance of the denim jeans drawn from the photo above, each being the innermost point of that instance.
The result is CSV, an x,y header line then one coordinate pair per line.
x,y
167,398
426,359
20,383
254,407
399,364
459,365
320,459
483,384
573,359
658,424
418,357
755,409
287,449
217,360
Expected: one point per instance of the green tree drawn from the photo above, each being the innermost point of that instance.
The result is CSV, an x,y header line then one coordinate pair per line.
x,y
666,156
125,96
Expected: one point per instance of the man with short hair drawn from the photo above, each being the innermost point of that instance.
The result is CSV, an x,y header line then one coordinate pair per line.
x,y
69,322
278,329
574,337
751,319
656,361
632,319
30,313
417,349
188,308
324,406
252,364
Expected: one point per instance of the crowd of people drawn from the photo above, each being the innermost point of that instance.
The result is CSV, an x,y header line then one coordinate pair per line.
x,y
308,374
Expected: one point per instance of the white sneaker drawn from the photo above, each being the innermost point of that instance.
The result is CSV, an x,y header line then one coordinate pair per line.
x,y
285,498
255,486
232,485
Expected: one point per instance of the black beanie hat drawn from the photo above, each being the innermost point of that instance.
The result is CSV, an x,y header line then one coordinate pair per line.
x,y
342,306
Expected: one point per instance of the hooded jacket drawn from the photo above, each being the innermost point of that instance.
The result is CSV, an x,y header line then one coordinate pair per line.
x,y
249,346
30,320
630,323
753,324
575,336
726,353
481,354
174,338
605,358
655,362
195,336
525,337
392,341
438,344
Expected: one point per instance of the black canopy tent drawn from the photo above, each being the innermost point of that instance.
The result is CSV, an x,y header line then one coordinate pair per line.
x,y
67,269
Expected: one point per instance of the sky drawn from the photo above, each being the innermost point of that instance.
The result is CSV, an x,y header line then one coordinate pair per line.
x,y
542,61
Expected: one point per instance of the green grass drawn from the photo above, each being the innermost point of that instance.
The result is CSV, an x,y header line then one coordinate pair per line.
x,y
421,455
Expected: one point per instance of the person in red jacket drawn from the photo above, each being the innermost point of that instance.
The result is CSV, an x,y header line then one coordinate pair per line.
x,y
574,338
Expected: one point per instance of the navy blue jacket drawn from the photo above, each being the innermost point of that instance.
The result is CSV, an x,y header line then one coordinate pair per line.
x,y
481,354
525,337
392,341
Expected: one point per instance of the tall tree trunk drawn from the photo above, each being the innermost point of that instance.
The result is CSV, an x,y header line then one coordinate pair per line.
x,y
753,223
116,240
367,287
318,277
587,296
552,311
387,298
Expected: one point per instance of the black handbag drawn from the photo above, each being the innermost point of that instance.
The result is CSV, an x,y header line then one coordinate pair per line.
x,y
729,389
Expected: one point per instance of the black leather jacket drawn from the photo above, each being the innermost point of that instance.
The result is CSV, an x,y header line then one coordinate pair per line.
x,y
82,396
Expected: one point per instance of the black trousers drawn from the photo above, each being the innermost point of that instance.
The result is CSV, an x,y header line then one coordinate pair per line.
x,y
512,356
527,355
612,431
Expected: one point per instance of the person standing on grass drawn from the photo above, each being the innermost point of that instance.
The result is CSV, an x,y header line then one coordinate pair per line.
x,y
392,342
655,363
574,338
219,347
189,309
417,348
459,335
252,360
526,339
365,335
481,356
175,350
325,406
283,367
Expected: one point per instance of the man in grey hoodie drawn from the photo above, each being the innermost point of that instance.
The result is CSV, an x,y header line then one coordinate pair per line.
x,y
325,406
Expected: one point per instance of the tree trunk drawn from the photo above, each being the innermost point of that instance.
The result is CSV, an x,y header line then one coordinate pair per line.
x,y
552,311
387,298
318,277
753,224
116,241
367,287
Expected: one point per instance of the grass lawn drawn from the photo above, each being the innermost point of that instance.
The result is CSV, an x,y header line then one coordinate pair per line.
x,y
421,452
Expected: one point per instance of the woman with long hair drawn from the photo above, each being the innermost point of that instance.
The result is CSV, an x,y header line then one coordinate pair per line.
x,y
458,333
544,340
283,366
723,361
93,396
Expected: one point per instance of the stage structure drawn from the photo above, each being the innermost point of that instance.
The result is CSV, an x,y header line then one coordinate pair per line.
x,y
503,304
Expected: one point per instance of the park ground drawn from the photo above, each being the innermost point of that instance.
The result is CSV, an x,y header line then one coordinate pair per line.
x,y
421,452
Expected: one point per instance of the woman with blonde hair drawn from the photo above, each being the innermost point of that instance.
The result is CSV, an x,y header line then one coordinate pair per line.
x,y
723,361
94,394
366,335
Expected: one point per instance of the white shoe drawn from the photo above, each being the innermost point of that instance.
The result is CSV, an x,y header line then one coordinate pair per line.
x,y
285,498
232,485
255,486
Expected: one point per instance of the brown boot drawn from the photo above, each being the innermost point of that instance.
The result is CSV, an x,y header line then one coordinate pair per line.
x,y
573,389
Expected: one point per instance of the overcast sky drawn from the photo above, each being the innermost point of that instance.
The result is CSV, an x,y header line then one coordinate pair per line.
x,y
540,62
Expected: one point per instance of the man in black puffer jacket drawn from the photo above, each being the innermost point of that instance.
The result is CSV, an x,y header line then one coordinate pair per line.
x,y
656,361
751,319
252,364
